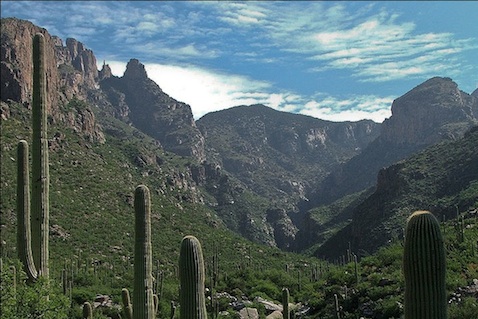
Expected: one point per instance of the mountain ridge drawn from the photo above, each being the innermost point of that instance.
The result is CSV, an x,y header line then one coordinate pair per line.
x,y
259,169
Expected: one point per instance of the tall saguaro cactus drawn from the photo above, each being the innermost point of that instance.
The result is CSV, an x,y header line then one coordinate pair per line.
x,y
424,268
143,300
192,276
33,235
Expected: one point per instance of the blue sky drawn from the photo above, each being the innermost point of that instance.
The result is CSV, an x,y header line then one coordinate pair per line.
x,y
332,60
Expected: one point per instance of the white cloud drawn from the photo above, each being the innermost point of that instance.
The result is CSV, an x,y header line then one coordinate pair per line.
x,y
352,109
207,91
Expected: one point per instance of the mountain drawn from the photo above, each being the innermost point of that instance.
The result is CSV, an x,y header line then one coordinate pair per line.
x,y
249,171
260,171
434,111
442,179
277,155
275,158
147,107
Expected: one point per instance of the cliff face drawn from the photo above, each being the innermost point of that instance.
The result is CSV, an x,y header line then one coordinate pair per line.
x,y
72,76
70,73
17,63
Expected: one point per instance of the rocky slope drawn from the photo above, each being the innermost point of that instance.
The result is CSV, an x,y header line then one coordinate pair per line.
x,y
442,179
279,154
146,106
434,111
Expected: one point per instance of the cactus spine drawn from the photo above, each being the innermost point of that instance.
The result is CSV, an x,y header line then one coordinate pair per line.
x,y
285,303
143,299
424,268
33,236
192,276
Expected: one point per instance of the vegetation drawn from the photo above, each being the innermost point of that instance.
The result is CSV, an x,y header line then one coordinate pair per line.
x,y
96,255
91,241
378,293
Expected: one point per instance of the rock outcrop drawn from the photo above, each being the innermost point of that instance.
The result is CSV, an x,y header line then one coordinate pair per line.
x,y
146,106
425,115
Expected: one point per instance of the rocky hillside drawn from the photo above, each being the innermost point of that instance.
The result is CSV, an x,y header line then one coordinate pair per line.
x,y
442,179
280,155
71,73
434,111
140,101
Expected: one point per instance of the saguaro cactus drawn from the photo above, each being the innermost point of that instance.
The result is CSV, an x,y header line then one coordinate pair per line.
x,y
143,301
192,299
424,268
33,236
285,303
87,311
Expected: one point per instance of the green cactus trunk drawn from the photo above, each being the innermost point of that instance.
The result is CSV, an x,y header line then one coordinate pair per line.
x,y
24,240
87,311
143,301
285,303
192,276
424,268
33,235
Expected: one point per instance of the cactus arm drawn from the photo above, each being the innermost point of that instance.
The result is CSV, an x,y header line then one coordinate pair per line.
x,y
143,262
127,308
156,303
424,268
23,212
192,276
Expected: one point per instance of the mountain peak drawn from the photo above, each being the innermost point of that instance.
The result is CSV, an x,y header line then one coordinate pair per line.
x,y
135,70
421,115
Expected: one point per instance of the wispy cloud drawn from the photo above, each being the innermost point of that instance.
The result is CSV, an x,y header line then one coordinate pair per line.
x,y
371,43
380,50
375,46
